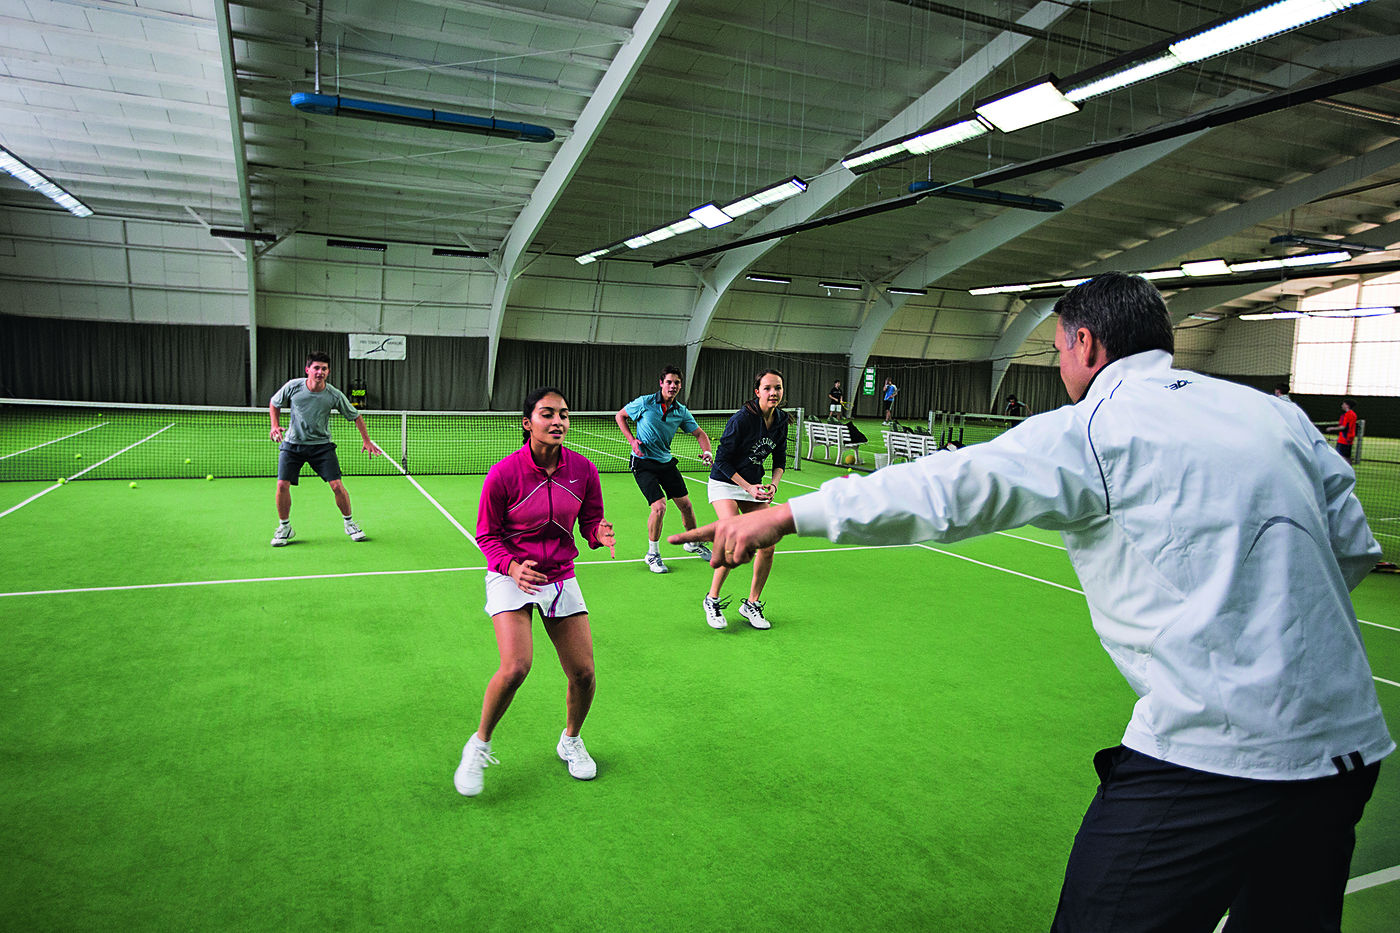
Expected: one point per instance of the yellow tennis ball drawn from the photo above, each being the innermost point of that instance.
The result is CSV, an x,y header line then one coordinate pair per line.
x,y
77,456
850,458
132,485
62,481
188,460
210,477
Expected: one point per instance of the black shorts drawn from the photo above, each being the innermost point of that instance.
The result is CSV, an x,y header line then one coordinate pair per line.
x,y
658,480
321,457
1344,450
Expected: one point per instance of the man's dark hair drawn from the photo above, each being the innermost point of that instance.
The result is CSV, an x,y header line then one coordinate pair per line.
x,y
671,371
1124,312
1281,387
318,356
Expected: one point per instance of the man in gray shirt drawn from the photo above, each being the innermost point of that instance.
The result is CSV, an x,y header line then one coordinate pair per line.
x,y
309,441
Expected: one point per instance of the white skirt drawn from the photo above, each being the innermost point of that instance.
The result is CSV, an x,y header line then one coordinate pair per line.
x,y
555,600
719,489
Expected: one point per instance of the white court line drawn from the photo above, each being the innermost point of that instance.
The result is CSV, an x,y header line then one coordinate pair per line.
x,y
308,576
15,508
1379,625
1384,681
446,514
54,441
1007,534
1015,573
390,573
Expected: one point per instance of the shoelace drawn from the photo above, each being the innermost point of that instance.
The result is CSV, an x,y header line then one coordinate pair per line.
x,y
755,606
484,757
718,605
574,748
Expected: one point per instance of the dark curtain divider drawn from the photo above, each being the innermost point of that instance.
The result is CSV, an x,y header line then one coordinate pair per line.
x,y
1039,388
437,373
724,379
100,361
928,385
593,377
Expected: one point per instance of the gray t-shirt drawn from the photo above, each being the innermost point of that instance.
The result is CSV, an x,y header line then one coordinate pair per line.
x,y
311,411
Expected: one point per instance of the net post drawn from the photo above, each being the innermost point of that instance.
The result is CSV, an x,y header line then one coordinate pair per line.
x,y
1360,435
403,439
930,421
797,440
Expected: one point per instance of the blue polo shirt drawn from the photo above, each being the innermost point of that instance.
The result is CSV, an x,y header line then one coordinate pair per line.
x,y
657,427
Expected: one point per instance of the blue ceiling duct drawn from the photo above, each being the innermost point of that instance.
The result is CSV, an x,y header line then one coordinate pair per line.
x,y
334,105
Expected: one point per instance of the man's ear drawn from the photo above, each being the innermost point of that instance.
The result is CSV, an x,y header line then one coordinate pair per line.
x,y
1089,348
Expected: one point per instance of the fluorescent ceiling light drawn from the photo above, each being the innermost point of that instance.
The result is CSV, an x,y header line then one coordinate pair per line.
x,y
1272,316
242,235
1000,289
711,216
42,183
1352,312
1206,267
1255,26
896,290
765,196
1203,317
684,226
1316,259
770,279
594,256
1027,106
862,159
946,136
359,244
1124,77
459,253
1155,274
839,286
1258,265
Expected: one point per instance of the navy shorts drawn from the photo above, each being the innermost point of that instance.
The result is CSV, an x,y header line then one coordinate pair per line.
x,y
658,480
1167,848
322,458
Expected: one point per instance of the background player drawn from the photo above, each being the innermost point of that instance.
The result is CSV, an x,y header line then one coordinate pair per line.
x,y
525,527
753,434
890,391
659,416
309,441
1346,430
837,399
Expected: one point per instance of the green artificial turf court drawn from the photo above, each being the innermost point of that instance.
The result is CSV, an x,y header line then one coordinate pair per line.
x,y
271,746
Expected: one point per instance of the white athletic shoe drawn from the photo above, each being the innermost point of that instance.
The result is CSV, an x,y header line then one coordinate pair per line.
x,y
282,535
571,750
655,565
699,547
476,755
714,611
753,611
353,530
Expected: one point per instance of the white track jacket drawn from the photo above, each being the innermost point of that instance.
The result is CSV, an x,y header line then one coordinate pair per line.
x,y
1217,539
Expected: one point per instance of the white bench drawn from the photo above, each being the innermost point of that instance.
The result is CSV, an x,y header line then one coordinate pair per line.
x,y
826,435
899,444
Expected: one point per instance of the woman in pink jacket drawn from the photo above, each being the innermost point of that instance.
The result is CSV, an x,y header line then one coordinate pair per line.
x,y
525,527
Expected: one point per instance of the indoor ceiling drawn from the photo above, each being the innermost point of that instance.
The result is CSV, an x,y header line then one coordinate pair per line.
x,y
658,107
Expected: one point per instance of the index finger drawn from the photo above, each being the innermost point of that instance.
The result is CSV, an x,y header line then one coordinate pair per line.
x,y
703,533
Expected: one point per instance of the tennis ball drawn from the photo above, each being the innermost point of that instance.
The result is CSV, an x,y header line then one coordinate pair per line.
x,y
77,456
188,460
132,485
210,477
850,458
62,481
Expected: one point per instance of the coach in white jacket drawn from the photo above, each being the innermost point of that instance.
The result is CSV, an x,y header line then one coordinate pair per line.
x,y
1217,538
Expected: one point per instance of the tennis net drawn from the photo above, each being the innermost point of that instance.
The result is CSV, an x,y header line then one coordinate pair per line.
x,y
42,441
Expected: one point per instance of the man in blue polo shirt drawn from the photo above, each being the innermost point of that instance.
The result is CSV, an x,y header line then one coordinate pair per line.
x,y
658,417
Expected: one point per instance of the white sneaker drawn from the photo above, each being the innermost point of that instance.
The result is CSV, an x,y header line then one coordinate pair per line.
x,y
699,547
571,750
714,611
353,530
753,611
655,565
282,535
476,755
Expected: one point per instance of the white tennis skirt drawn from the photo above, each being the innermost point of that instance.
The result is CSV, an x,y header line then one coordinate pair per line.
x,y
554,600
719,489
